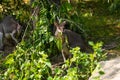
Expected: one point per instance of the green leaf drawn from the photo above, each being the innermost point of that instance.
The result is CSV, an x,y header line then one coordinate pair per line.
x,y
9,59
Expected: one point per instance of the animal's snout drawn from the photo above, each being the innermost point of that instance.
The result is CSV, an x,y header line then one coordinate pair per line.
x,y
18,28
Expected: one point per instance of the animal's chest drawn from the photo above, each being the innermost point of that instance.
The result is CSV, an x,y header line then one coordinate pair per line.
x,y
7,35
8,30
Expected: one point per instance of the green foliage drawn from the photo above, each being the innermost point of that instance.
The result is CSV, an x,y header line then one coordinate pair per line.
x,y
17,8
58,42
30,60
27,64
114,7
81,65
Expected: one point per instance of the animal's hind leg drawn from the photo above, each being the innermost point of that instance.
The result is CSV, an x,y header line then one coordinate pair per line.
x,y
63,55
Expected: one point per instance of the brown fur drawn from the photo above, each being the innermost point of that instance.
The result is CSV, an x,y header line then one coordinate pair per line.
x,y
70,39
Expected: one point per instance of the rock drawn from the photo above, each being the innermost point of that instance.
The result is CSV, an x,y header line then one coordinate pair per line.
x,y
107,70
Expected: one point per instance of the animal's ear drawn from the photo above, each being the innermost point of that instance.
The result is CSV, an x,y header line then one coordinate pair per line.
x,y
63,24
56,24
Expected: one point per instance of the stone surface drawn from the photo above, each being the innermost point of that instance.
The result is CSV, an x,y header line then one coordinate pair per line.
x,y
107,70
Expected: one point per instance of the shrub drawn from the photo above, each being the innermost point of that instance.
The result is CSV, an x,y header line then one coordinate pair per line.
x,y
30,60
81,65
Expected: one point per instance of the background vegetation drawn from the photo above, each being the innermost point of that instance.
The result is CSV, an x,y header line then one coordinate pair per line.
x,y
95,20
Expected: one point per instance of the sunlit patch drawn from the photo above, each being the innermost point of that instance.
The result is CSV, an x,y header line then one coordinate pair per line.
x,y
1,8
26,1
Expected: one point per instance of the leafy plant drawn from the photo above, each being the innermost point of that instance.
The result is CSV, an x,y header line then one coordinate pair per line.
x,y
30,60
81,65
